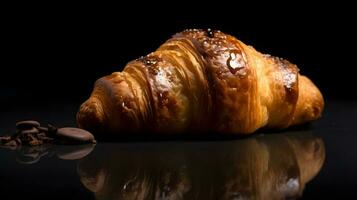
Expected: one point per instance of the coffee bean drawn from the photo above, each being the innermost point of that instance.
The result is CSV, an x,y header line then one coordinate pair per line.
x,y
5,139
31,133
11,143
33,154
42,129
51,129
41,134
33,130
75,135
35,142
18,141
74,152
29,158
22,125
43,137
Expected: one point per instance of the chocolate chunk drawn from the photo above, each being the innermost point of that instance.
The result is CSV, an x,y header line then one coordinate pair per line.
x,y
27,124
32,130
75,135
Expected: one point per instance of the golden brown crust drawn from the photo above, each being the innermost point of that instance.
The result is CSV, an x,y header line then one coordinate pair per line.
x,y
230,74
202,80
284,83
310,103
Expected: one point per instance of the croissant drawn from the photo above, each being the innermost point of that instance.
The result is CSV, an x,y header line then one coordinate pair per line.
x,y
202,80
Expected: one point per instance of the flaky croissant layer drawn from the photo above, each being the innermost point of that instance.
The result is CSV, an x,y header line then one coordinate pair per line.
x,y
204,81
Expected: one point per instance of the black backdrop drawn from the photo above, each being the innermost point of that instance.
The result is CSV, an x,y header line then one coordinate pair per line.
x,y
52,54
55,53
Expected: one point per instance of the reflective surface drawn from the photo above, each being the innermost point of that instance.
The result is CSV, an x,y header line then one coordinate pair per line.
x,y
315,161
263,167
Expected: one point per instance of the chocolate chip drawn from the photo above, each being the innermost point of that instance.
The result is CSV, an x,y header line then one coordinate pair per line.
x,y
27,124
75,135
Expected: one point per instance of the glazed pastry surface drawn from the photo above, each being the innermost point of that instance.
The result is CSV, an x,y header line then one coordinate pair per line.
x,y
202,80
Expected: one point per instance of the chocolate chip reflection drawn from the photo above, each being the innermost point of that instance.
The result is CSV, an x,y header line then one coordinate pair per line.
x,y
263,167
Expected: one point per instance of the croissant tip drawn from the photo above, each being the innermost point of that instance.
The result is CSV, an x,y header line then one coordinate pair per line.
x,y
319,104
90,115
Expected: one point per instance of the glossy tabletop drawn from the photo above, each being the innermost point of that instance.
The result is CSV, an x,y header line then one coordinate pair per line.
x,y
312,161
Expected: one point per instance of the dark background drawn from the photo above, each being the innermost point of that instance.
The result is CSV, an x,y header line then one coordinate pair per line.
x,y
54,53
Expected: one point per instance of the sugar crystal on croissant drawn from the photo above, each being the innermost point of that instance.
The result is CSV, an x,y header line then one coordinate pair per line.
x,y
202,81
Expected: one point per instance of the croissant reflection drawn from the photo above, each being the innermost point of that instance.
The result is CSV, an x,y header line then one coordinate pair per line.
x,y
264,167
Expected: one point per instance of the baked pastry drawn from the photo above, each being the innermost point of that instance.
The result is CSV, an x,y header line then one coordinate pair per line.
x,y
202,80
